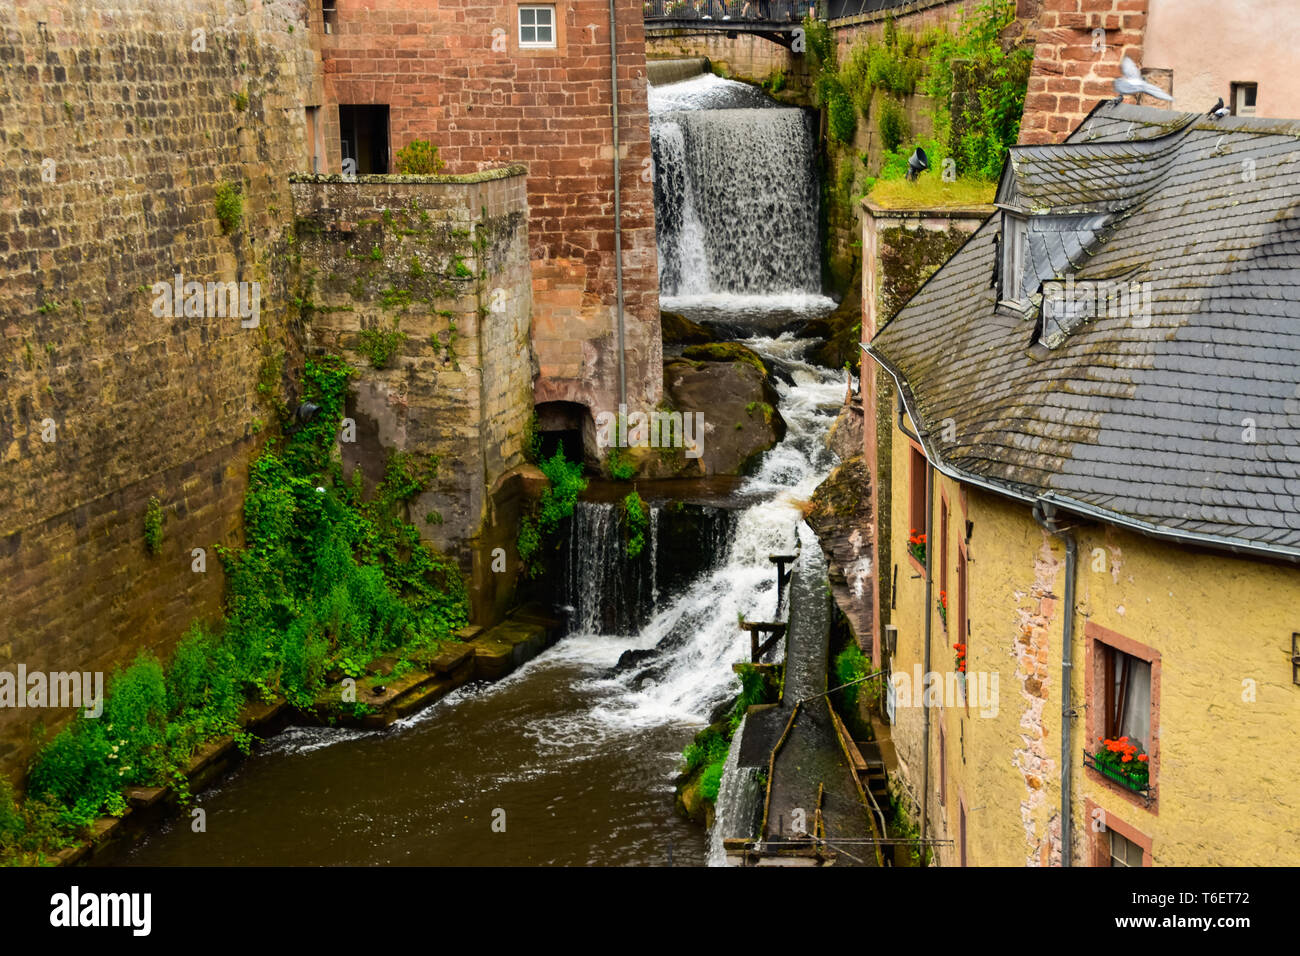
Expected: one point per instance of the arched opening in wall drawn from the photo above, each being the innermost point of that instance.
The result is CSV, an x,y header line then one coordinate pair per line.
x,y
569,424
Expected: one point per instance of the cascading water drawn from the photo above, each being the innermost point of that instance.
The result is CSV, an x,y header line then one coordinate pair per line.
x,y
580,745
736,197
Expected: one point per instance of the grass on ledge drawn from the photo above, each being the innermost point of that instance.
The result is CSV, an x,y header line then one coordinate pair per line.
x,y
931,191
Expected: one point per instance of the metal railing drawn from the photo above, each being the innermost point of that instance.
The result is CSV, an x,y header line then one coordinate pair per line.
x,y
765,11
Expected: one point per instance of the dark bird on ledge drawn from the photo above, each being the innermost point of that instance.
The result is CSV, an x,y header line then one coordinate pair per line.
x,y
1218,110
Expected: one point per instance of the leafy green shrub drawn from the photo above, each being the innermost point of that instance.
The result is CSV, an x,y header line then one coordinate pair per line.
x,y
153,522
850,664
893,125
620,465
635,522
230,206
379,345
841,115
556,504
709,746
419,158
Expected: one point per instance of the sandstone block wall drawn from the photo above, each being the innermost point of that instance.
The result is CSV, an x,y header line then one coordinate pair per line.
x,y
442,266
133,123
454,74
1074,66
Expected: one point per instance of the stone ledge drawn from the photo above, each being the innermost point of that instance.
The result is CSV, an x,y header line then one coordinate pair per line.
x,y
438,179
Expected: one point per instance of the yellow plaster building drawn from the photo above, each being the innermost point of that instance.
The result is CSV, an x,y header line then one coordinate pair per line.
x,y
1108,500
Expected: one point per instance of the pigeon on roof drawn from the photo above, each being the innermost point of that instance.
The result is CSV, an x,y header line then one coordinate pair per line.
x,y
1130,83
1218,110
917,163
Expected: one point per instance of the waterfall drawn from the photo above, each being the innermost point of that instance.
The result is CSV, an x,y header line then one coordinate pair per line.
x,y
739,805
736,195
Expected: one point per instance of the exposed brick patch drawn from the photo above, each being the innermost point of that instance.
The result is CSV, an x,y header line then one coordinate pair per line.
x,y
1066,60
1031,650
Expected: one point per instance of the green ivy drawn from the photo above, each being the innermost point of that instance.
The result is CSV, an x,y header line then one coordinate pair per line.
x,y
153,523
325,578
556,504
635,522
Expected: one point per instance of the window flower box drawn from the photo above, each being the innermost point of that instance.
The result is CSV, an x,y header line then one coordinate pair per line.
x,y
943,608
960,662
1123,762
916,546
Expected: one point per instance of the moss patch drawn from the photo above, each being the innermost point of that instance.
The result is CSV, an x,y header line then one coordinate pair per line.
x,y
725,352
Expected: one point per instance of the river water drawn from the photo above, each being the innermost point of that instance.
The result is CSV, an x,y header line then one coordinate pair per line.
x,y
569,761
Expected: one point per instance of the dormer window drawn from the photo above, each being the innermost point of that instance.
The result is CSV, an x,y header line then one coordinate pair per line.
x,y
1014,231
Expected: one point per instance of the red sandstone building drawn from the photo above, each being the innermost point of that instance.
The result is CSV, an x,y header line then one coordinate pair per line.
x,y
530,83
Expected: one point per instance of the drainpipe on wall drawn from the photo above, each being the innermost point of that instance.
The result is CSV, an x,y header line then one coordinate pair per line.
x,y
618,203
1045,514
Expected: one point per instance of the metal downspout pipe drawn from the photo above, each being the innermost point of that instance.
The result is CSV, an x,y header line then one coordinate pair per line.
x,y
1045,514
618,204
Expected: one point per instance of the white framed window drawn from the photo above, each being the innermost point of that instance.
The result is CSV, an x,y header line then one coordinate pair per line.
x,y
1243,98
537,26
1013,258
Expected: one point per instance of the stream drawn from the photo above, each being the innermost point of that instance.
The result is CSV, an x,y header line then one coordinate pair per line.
x,y
572,757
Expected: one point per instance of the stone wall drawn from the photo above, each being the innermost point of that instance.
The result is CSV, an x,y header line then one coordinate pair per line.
x,y
440,266
116,126
1073,66
453,73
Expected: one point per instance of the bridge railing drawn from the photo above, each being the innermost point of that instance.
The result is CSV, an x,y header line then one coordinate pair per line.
x,y
768,11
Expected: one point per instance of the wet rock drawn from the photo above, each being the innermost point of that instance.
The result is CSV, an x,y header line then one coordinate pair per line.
x,y
845,435
844,326
841,517
679,330
738,403
629,659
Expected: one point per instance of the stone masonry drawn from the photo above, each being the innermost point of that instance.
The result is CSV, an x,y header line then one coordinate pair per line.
x,y
453,73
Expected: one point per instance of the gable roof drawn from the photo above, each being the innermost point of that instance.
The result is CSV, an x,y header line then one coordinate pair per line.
x,y
1145,420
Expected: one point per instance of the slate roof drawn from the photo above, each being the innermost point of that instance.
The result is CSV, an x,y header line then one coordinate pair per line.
x,y
1142,421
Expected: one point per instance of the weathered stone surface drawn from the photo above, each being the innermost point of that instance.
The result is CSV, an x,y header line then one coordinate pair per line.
x,y
845,435
841,518
441,267
739,407
133,130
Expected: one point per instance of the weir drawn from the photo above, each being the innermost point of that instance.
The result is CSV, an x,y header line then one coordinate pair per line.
x,y
736,194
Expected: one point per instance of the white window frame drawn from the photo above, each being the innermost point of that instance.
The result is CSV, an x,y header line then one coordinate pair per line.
x,y
1239,105
1015,230
536,8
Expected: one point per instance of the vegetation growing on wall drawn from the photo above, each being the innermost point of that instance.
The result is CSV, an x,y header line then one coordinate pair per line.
x,y
556,503
380,345
976,89
153,523
636,519
419,157
229,206
324,578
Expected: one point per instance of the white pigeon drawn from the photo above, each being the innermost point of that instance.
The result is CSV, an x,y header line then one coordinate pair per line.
x,y
1130,83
